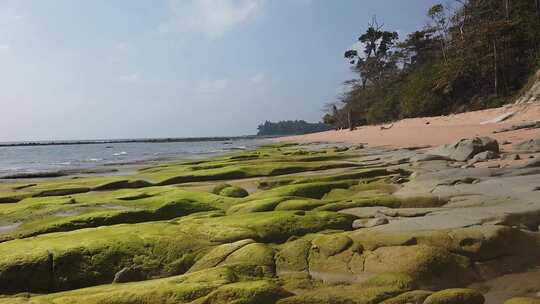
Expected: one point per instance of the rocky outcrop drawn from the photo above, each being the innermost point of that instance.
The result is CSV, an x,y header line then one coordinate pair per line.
x,y
466,148
529,146
423,225
367,223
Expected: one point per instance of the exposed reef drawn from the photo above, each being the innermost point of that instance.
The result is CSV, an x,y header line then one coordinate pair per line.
x,y
285,223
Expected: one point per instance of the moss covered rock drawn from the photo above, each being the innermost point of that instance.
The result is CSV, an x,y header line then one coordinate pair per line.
x,y
309,190
218,254
292,257
397,280
87,257
523,300
431,267
217,188
455,296
331,244
233,191
410,297
376,290
215,285
255,292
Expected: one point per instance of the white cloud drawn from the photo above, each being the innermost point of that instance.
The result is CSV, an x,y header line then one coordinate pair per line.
x,y
211,17
257,78
15,17
5,47
117,45
212,85
134,77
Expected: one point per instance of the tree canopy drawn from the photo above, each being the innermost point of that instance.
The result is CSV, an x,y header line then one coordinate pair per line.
x,y
290,127
472,54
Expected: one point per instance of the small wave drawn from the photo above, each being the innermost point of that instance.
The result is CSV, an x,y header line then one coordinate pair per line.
x,y
67,163
94,159
207,151
120,153
238,148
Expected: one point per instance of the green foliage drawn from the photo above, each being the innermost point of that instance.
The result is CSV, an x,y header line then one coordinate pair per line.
x,y
478,54
291,127
418,94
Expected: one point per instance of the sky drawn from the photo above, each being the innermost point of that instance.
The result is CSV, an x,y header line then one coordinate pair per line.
x,y
94,69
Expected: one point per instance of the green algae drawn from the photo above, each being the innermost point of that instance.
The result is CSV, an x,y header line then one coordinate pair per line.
x,y
293,256
368,175
254,292
233,191
278,226
431,267
523,300
216,285
256,205
187,245
308,190
52,214
412,297
299,204
60,261
455,296
177,175
218,254
337,200
284,203
374,290
217,188
331,244
266,161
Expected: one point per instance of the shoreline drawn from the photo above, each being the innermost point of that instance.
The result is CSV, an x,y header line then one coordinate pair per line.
x,y
123,141
61,159
437,130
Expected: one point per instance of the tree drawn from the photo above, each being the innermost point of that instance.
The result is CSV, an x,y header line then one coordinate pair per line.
x,y
377,60
471,55
290,127
440,25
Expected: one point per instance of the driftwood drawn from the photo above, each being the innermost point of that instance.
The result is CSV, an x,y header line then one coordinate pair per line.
x,y
386,128
525,125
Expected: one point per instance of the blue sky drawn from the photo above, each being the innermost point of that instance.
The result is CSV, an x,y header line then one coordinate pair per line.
x,y
81,69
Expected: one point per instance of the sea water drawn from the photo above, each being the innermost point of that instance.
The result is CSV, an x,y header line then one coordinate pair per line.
x,y
50,158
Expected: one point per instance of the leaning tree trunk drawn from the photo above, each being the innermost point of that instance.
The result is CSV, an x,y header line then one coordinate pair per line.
x,y
335,113
349,118
507,9
495,69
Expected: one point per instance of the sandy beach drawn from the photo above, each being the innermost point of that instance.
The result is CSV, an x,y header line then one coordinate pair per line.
x,y
433,131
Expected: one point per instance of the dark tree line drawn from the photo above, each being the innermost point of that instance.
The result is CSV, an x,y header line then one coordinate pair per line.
x,y
473,54
291,127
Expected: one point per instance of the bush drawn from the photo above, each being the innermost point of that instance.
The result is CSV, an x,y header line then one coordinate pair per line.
x,y
418,94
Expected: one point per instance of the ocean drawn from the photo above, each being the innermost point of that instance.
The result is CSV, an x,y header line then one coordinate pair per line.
x,y
31,159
